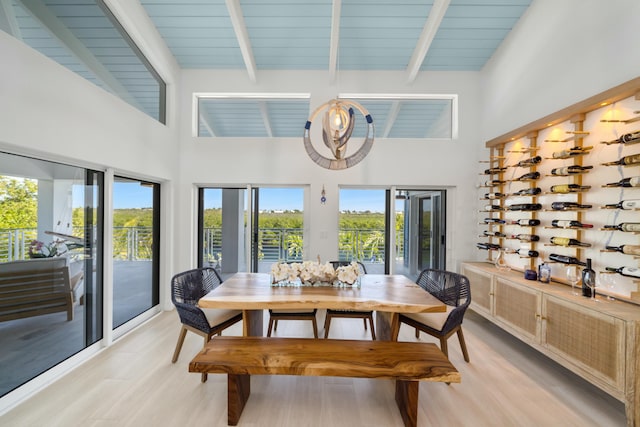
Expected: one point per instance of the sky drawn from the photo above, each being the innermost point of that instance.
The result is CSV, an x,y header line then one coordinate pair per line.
x,y
292,199
133,195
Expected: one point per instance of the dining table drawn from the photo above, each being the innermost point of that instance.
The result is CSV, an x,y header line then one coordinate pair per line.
x,y
386,294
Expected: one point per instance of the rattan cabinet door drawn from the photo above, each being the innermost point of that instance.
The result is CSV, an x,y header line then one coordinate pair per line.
x,y
593,341
518,308
481,291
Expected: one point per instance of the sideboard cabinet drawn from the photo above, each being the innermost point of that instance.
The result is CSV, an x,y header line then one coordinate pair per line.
x,y
599,341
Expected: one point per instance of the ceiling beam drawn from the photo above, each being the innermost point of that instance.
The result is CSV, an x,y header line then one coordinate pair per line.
x,y
8,21
391,118
206,124
334,46
429,30
242,35
39,11
265,118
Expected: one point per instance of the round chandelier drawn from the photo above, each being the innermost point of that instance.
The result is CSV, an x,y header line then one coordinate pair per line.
x,y
337,126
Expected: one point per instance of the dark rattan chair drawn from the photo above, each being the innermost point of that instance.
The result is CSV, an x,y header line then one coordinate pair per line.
x,y
293,314
350,314
186,289
453,290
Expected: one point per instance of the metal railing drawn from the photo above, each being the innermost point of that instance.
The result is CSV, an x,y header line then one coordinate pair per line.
x,y
129,243
274,244
285,244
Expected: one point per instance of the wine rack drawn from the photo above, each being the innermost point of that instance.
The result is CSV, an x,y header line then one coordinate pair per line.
x,y
604,130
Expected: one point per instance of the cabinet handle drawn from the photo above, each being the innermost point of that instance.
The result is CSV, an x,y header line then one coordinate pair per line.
x,y
491,294
537,316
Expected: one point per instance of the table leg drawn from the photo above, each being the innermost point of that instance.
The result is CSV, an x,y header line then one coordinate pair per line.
x,y
407,400
387,326
252,324
238,391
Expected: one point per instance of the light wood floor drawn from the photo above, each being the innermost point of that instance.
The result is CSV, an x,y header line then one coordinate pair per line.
x,y
133,383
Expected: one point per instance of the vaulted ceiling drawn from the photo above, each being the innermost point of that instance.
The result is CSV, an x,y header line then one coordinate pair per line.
x,y
254,35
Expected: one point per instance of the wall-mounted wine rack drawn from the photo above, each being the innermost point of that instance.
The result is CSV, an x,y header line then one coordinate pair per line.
x,y
569,151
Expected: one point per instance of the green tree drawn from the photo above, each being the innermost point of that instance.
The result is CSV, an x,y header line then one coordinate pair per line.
x,y
18,202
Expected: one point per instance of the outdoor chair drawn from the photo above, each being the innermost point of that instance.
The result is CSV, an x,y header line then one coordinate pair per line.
x,y
349,314
453,290
186,289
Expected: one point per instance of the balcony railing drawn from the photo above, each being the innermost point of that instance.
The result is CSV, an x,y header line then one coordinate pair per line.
x,y
129,243
275,244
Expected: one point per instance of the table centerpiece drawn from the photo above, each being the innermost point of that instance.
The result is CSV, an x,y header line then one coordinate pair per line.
x,y
314,273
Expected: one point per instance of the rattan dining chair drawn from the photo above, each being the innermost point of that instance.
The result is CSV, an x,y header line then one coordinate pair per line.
x,y
349,314
186,289
452,289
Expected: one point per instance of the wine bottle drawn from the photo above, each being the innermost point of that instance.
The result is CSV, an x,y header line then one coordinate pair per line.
x,y
626,249
559,223
494,221
569,188
528,176
526,237
627,138
565,241
494,234
588,280
527,253
492,171
565,259
488,246
525,207
626,271
529,162
633,159
528,192
569,170
492,208
563,206
493,183
633,181
575,151
629,227
625,204
525,222
493,196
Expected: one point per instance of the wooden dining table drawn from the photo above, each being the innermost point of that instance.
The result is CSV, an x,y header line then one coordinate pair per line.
x,y
387,295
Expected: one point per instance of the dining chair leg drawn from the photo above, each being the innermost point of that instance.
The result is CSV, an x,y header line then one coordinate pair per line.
x,y
373,331
417,333
327,324
463,346
315,328
176,352
364,319
270,326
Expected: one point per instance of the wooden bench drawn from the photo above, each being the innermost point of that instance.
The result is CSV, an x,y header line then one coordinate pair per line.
x,y
404,362
35,287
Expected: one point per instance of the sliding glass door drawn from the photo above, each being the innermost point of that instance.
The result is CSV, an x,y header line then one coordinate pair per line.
x,y
51,295
420,231
136,225
277,226
273,217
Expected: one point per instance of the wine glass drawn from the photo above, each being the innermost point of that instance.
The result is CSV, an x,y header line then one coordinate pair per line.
x,y
573,277
607,281
592,285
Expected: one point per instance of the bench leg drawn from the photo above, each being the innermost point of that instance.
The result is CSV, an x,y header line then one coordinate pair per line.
x,y
407,400
238,391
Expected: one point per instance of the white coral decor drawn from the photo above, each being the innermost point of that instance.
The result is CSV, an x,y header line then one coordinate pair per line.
x,y
314,273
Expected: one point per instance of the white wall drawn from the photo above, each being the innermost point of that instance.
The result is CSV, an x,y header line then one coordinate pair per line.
x,y
404,163
559,53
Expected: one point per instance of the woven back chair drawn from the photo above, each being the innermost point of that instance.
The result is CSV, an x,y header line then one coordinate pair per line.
x,y
351,314
452,289
186,289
